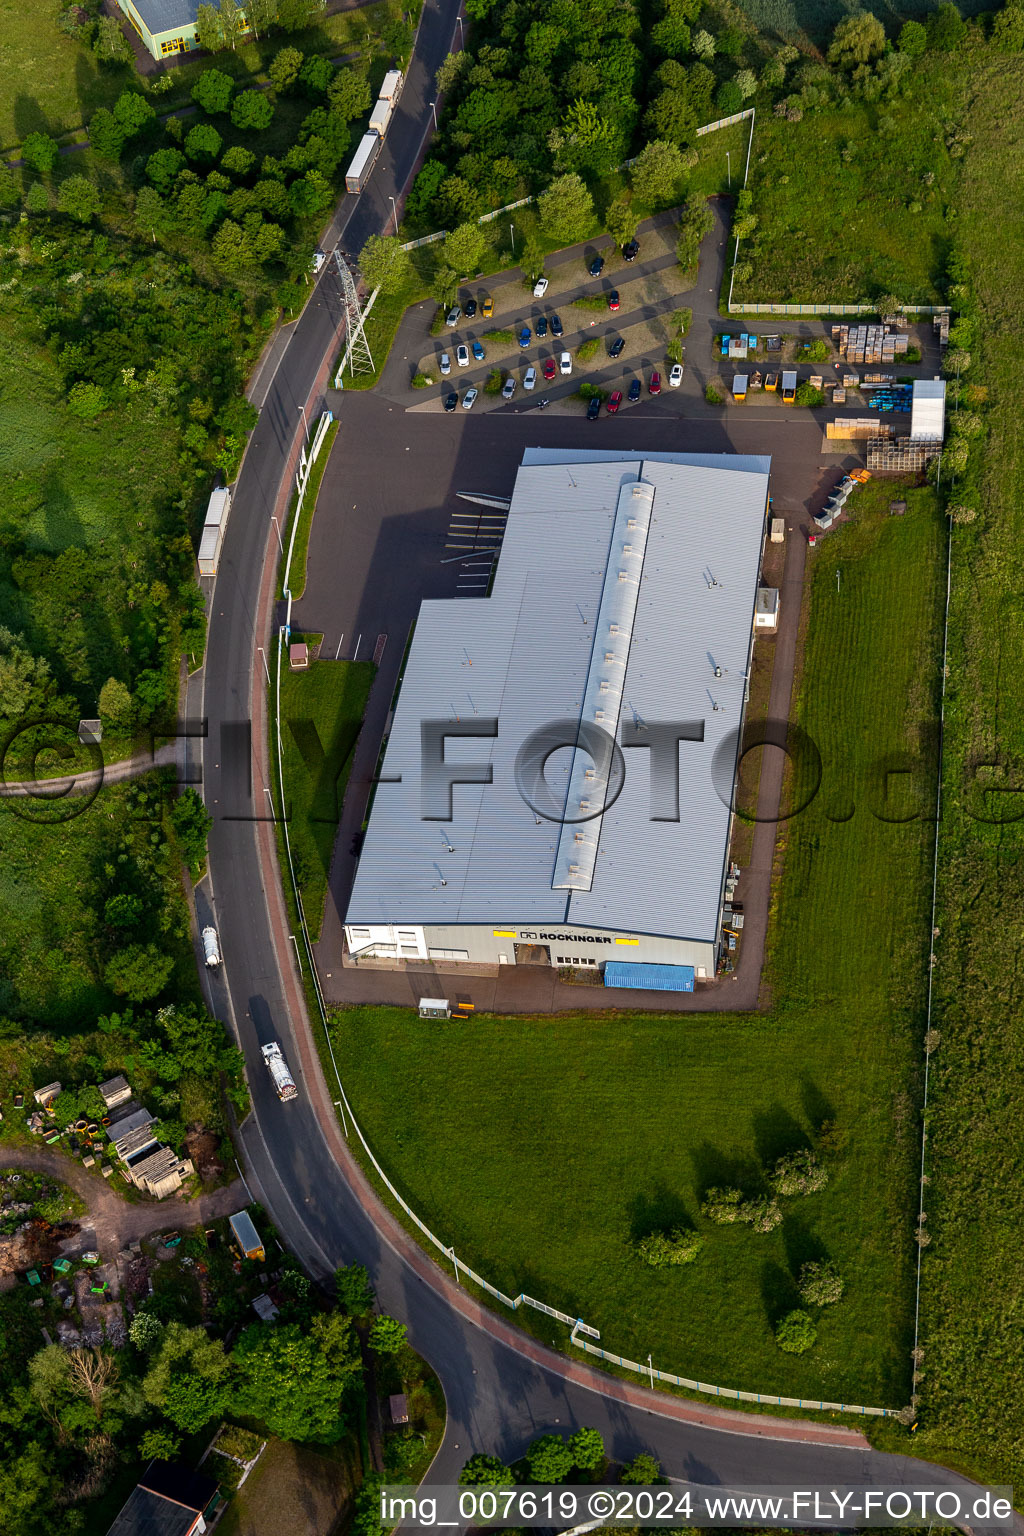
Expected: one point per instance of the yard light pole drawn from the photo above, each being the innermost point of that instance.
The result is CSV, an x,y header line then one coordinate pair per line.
x,y
277,530
302,413
728,162
512,237
650,1364
462,31
265,667
394,210
433,108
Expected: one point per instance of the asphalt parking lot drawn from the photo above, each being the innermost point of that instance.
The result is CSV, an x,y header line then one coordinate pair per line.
x,y
390,531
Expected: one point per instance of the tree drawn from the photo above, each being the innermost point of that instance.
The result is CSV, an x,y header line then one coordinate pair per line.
x,y
486,1471
798,1173
464,248
913,39
384,264
213,91
262,14
746,81
208,32
37,198
820,1284
349,94
728,98
151,213
139,972
445,282
191,822
110,42
945,27
566,209
78,198
232,26
795,1333
40,152
203,143
145,1330
133,112
644,1468
657,174
723,1206
353,1289
621,220
188,1378
549,1459
93,1374
252,112
163,167
316,75
49,1379
671,117
294,1382
106,134
452,66
761,1213
671,36
123,911
586,1447
238,160
695,222
704,45
387,1335
87,401
159,1445
857,39
284,69
1008,29
660,1249
25,681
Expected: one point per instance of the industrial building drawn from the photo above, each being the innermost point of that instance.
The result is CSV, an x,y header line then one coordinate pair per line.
x,y
558,778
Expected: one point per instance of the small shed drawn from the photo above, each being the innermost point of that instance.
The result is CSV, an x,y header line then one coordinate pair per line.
x,y
766,609
248,1239
778,530
739,386
45,1096
435,1008
115,1091
90,732
398,1408
265,1309
298,656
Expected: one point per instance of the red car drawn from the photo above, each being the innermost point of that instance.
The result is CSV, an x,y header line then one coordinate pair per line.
x,y
614,402
613,299
550,368
654,386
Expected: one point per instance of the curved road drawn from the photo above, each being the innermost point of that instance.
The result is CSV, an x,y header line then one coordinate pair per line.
x,y
501,1387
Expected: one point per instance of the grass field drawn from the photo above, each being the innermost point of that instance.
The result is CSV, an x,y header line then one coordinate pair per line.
x,y
815,19
322,710
541,1147
973,1289
851,203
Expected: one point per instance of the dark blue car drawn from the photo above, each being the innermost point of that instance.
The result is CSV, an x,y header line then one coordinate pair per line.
x,y
634,389
540,325
524,337
556,326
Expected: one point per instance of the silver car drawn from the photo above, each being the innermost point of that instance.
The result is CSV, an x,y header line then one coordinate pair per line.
x,y
446,365
453,316
469,399
530,378
509,389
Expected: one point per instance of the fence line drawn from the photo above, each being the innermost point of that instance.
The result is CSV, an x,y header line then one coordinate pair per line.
x,y
725,122
769,1398
741,308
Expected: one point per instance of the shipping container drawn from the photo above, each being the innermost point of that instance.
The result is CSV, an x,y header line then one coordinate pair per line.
x,y
648,978
358,173
739,386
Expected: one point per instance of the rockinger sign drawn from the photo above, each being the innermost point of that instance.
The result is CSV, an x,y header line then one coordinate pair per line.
x,y
662,739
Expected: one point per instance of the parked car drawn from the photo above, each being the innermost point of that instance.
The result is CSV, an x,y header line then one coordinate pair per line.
x,y
529,378
655,385
556,326
318,260
446,365
631,251
478,352
615,350
540,326
565,363
469,399
634,390
470,310
453,317
462,356
540,287
613,300
675,378
488,309
451,401
524,337
550,368
614,401
509,389
594,408
597,266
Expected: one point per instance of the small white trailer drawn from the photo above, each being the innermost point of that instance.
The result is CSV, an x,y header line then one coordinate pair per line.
x,y
211,946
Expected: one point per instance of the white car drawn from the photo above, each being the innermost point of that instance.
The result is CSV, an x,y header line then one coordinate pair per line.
x,y
675,378
453,316
565,363
509,389
469,399
530,379
446,364
318,260
462,356
540,287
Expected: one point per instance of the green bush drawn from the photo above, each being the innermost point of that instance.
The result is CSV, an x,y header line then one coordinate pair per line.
x,y
820,1284
501,338
661,1249
799,1173
796,1333
816,351
681,321
494,382
588,349
588,391
711,395
421,380
591,301
807,394
723,1206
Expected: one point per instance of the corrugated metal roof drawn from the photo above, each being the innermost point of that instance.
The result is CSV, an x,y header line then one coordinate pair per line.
x,y
529,654
928,410
648,978
165,15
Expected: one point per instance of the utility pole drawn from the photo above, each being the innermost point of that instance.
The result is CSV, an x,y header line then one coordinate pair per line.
x,y
360,359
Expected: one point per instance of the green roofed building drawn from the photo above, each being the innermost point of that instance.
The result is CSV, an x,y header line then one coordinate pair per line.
x,y
166,27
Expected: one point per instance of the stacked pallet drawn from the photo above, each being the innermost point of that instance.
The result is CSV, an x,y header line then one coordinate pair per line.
x,y
869,343
940,324
879,378
900,456
857,426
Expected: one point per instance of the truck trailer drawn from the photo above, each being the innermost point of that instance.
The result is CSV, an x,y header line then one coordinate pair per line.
x,y
358,173
283,1080
211,946
213,531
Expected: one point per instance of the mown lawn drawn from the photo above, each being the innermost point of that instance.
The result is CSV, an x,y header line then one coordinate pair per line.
x,y
851,203
973,1285
321,710
542,1147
